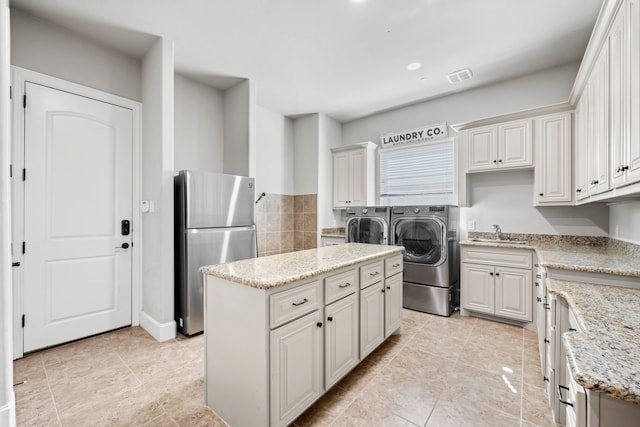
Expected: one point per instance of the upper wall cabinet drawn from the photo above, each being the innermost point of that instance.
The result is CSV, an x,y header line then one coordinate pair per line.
x,y
501,146
607,154
354,175
553,183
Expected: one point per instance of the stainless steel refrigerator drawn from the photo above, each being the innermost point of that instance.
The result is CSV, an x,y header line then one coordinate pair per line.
x,y
214,223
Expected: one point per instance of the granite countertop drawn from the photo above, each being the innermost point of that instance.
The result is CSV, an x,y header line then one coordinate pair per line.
x,y
277,270
605,355
576,253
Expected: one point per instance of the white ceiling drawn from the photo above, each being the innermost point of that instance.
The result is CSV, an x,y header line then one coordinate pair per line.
x,y
338,57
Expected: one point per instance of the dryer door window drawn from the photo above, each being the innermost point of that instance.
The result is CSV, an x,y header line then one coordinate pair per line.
x,y
366,230
424,240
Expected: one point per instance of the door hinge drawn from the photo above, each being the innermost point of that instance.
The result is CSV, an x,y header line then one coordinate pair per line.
x,y
23,317
24,101
24,174
24,247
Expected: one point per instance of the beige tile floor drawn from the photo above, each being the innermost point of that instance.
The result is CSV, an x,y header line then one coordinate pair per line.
x,y
456,371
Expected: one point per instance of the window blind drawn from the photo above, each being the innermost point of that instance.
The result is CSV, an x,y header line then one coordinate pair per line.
x,y
418,174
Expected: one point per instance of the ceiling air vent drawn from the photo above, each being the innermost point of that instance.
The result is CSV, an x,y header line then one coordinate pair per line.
x,y
459,76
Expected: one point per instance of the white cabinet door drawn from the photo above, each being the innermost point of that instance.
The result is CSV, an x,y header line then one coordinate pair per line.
x,y
341,338
477,287
513,293
340,178
392,304
296,367
633,139
553,160
371,318
618,97
357,178
581,144
482,148
541,326
625,96
599,124
515,144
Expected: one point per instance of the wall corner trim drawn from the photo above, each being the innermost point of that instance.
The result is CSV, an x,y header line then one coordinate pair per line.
x,y
160,331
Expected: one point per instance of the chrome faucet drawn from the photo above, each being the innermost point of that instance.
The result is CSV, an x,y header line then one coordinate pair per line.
x,y
498,231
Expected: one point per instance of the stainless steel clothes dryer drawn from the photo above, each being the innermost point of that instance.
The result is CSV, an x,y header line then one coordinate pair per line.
x,y
429,235
367,224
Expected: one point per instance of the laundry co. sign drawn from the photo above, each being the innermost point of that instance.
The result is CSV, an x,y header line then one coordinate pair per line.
x,y
414,135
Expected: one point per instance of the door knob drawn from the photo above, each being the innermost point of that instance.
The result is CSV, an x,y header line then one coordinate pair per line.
x,y
125,245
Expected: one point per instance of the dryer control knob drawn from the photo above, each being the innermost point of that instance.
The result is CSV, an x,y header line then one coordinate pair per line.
x,y
365,210
416,210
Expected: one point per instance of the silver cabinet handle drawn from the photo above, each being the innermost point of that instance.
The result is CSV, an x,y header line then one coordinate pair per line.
x,y
345,285
396,265
374,274
304,301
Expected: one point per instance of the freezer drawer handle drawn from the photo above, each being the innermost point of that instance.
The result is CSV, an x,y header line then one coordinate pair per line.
x,y
560,387
300,303
345,285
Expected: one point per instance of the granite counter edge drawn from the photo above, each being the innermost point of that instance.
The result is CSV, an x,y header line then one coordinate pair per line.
x,y
265,285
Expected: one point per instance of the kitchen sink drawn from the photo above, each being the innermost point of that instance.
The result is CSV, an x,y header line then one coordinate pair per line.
x,y
501,241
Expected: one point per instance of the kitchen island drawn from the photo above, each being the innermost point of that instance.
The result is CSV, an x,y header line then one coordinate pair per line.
x,y
282,330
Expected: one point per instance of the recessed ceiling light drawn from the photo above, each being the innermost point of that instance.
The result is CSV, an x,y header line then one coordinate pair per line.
x,y
358,1
414,66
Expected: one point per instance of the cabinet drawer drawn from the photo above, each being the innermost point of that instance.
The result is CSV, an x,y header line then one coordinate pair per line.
x,y
509,258
371,273
293,303
392,265
340,285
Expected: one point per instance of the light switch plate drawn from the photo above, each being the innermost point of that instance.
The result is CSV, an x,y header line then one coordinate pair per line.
x,y
471,226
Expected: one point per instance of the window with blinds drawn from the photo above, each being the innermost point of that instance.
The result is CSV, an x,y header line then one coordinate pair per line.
x,y
418,174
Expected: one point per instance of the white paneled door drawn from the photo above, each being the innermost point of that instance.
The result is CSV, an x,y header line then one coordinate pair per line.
x,y
78,204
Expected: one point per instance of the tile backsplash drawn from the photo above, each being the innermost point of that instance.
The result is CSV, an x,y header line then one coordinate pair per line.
x,y
286,223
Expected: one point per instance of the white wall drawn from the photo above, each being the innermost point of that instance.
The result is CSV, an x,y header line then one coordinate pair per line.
x,y
157,185
7,398
506,197
274,153
41,46
535,90
305,135
330,136
199,126
624,221
238,104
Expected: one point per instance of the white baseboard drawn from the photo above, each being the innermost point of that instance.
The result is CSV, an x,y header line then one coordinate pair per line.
x,y
160,331
8,413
